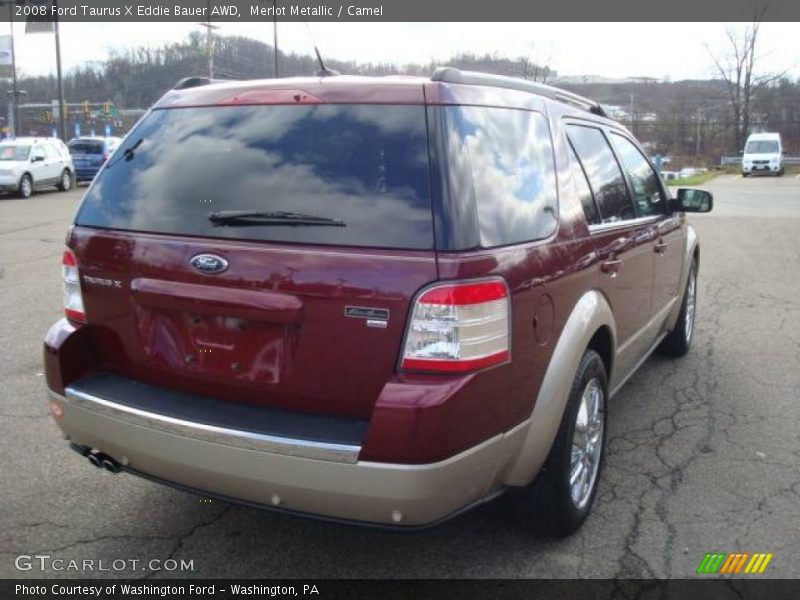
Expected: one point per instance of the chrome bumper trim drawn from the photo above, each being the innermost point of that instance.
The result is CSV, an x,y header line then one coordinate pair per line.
x,y
211,433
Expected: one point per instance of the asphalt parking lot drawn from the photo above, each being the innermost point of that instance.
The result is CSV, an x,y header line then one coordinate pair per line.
x,y
704,452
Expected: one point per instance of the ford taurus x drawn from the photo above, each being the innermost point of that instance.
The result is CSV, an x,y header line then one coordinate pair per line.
x,y
382,300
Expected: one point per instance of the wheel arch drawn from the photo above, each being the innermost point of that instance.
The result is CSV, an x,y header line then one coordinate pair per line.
x,y
29,175
591,324
691,254
602,342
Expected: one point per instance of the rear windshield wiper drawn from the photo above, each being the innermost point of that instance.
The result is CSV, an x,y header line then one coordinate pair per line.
x,y
127,154
256,217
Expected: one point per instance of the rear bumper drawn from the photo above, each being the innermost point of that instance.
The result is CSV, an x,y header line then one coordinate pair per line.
x,y
85,174
282,474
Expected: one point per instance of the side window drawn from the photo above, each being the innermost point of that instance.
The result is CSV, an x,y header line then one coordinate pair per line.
x,y
603,172
50,151
38,152
644,180
583,189
513,176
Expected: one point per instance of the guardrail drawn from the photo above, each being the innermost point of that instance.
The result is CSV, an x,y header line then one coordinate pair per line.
x,y
736,160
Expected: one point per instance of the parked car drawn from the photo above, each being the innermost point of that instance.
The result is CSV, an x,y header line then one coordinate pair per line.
x,y
90,153
374,299
763,152
28,164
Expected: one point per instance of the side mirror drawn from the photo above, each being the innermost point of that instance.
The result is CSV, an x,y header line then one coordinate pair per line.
x,y
37,158
691,200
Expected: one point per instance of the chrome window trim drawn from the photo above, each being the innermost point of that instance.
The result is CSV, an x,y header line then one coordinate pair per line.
x,y
603,227
249,440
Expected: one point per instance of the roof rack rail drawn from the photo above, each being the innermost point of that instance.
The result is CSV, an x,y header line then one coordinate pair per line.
x,y
453,75
190,82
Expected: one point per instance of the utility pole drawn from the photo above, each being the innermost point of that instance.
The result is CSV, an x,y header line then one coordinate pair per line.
x,y
209,42
62,121
698,114
275,34
13,71
633,129
13,110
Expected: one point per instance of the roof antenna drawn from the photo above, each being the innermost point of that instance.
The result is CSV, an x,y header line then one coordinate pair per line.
x,y
323,70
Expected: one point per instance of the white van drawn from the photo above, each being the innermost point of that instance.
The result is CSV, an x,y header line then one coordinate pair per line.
x,y
763,152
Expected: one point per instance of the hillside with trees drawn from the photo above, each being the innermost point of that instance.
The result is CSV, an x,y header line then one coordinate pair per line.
x,y
692,121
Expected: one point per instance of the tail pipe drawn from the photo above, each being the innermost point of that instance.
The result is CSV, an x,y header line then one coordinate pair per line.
x,y
98,459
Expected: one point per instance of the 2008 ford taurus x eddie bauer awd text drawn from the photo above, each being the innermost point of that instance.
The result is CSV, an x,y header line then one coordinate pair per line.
x,y
382,300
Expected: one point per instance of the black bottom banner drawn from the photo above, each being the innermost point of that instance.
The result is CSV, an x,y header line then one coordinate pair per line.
x,y
494,589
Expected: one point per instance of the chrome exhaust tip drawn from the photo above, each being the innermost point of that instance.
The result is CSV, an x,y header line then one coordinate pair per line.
x,y
111,465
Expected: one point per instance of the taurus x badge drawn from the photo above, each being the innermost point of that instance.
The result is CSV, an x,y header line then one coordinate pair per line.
x,y
209,263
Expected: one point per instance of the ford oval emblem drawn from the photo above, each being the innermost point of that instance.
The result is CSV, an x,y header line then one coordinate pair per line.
x,y
209,263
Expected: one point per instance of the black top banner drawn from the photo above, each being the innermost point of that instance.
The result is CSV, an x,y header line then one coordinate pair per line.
x,y
401,10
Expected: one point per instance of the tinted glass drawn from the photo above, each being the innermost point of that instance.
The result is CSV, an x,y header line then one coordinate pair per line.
x,y
364,165
583,189
603,172
513,177
51,151
86,147
761,147
644,180
8,152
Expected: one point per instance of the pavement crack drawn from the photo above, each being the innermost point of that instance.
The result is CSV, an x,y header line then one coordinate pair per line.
x,y
181,539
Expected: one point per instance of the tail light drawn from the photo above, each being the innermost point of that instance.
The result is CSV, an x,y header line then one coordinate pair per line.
x,y
73,301
458,327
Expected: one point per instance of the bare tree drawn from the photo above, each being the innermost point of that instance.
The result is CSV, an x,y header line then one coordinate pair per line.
x,y
533,71
738,71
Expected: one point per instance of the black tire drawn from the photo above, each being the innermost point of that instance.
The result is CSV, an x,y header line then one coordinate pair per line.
x,y
679,340
65,184
547,506
745,174
25,187
781,172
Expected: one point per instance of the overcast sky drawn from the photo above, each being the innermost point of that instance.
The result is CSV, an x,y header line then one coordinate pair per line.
x,y
676,50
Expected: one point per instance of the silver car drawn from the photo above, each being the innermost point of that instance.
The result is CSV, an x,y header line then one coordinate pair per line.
x,y
27,164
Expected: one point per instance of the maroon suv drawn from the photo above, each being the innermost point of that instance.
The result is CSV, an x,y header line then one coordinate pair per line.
x,y
373,299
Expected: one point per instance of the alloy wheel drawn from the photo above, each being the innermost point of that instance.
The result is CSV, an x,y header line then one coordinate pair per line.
x,y
587,443
691,296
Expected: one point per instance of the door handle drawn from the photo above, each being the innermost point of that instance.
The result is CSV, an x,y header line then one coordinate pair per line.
x,y
611,266
661,247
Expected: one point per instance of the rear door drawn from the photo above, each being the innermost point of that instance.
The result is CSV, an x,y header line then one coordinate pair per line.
x,y
622,241
57,162
300,306
650,200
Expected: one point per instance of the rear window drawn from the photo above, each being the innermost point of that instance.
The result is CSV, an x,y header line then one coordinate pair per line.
x,y
364,165
86,147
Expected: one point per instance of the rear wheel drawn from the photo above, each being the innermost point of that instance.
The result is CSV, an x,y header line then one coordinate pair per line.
x,y
560,498
679,340
66,181
25,188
